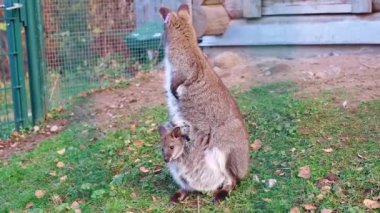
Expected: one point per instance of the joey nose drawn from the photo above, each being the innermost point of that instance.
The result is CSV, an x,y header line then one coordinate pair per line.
x,y
166,159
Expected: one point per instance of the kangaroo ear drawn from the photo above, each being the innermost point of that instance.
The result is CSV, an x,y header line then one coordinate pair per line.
x,y
162,130
176,133
164,12
184,11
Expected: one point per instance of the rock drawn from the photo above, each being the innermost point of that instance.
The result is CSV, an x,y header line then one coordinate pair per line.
x,y
54,128
270,183
227,60
255,179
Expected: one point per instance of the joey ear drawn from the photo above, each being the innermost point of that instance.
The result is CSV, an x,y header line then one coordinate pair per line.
x,y
184,11
164,12
176,133
162,130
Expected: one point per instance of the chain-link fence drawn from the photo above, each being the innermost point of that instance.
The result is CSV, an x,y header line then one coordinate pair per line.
x,y
86,44
94,43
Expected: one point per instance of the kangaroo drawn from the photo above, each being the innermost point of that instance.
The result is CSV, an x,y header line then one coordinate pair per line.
x,y
192,166
196,94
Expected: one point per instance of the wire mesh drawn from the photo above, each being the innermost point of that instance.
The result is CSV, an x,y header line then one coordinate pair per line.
x,y
94,43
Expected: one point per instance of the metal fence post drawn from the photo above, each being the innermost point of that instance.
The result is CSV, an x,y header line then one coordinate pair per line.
x,y
13,20
34,60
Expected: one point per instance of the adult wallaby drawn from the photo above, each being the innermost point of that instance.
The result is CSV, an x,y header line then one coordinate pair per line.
x,y
191,164
196,94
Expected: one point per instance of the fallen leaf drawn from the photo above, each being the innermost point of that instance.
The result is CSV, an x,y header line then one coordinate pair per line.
x,y
36,129
268,200
39,193
133,195
52,173
256,145
279,172
332,177
309,207
77,211
293,150
63,178
56,199
75,205
61,152
154,198
320,196
138,143
371,204
326,211
326,188
376,198
60,164
304,172
294,210
144,170
29,205
270,183
157,171
328,150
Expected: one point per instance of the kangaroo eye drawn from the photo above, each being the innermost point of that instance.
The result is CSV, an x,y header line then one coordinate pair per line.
x,y
171,147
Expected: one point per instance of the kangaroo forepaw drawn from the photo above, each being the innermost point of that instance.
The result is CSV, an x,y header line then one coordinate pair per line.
x,y
220,195
178,196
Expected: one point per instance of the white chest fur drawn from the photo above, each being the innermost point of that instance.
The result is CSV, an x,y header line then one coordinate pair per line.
x,y
174,113
207,175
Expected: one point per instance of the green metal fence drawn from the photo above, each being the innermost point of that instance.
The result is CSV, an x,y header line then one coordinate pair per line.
x,y
94,43
13,98
6,108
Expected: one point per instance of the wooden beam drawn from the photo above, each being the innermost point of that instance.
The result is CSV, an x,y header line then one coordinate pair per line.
x,y
251,8
376,5
212,2
306,8
361,6
300,30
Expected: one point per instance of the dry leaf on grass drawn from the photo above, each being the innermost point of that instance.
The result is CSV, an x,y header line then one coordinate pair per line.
x,y
304,172
294,210
138,143
75,205
61,152
154,198
328,150
29,205
60,164
256,145
309,207
133,195
326,211
371,204
56,199
63,178
39,193
144,170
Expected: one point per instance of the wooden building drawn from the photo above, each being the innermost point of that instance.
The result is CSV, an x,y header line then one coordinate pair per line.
x,y
239,23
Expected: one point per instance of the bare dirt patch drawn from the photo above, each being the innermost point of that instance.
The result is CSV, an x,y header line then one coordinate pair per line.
x,y
356,77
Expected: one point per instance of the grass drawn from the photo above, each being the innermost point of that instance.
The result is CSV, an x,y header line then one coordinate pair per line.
x,y
105,174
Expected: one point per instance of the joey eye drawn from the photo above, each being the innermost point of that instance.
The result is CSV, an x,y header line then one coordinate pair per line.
x,y
171,147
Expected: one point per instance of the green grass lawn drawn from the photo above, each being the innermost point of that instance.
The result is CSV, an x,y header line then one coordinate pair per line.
x,y
123,171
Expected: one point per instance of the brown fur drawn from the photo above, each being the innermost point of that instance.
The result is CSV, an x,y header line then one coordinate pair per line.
x,y
203,99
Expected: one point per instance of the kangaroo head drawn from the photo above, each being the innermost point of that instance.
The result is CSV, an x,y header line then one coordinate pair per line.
x,y
178,26
172,143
